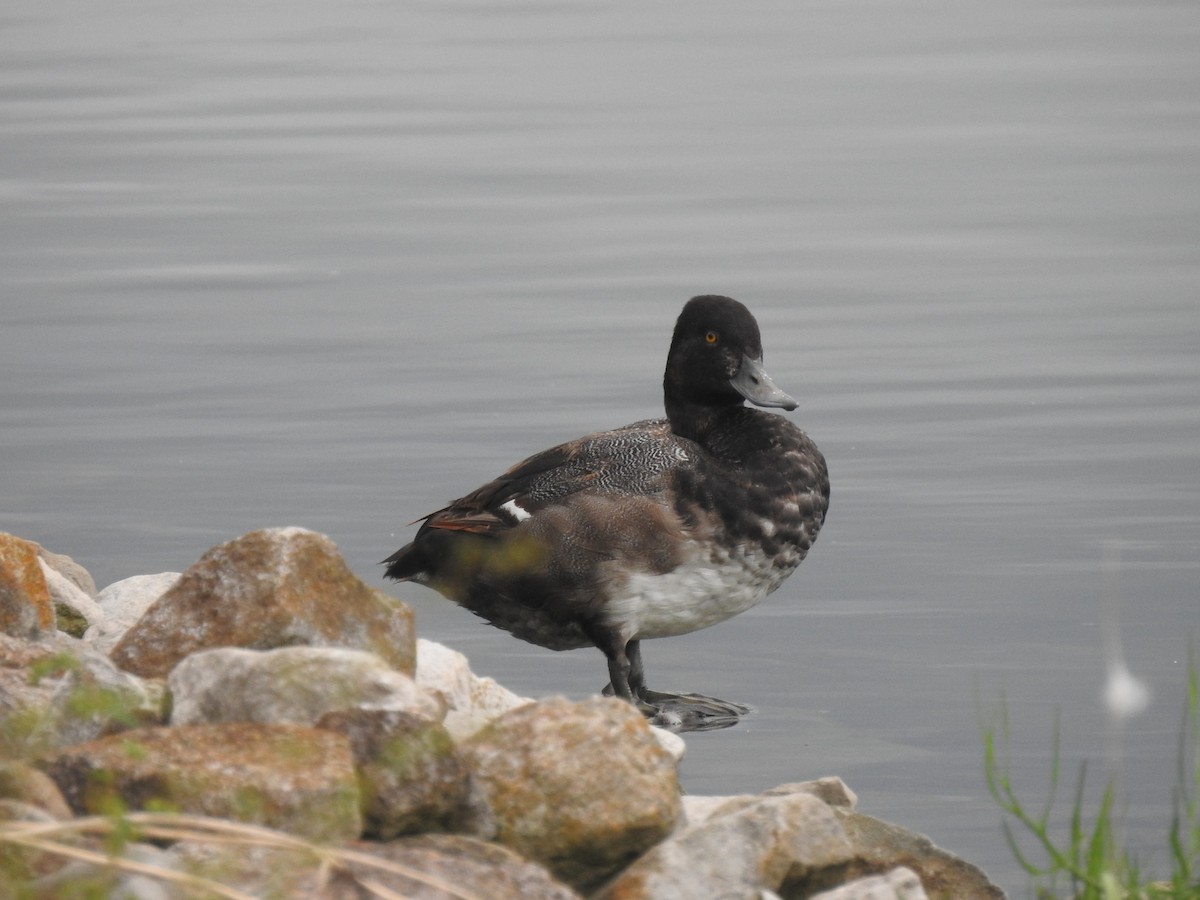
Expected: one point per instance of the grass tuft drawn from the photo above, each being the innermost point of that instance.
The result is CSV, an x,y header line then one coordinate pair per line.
x,y
1088,862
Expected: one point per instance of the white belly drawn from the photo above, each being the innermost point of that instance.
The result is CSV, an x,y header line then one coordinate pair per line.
x,y
699,593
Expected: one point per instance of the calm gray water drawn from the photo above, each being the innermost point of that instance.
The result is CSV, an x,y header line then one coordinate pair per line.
x,y
333,265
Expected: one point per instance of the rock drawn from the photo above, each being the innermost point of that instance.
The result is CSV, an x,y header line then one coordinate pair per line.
x,y
410,774
263,869
898,884
20,864
783,844
831,789
58,691
24,698
471,701
122,603
670,742
474,868
299,780
95,698
428,867
582,788
25,607
295,685
68,568
273,588
881,847
25,784
89,879
74,610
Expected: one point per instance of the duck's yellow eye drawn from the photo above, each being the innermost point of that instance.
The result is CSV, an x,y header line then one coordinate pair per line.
x,y
711,337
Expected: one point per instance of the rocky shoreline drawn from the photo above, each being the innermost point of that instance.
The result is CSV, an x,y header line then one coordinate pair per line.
x,y
265,724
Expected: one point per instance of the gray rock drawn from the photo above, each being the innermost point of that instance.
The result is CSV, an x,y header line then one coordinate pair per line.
x,y
582,788
294,685
831,789
94,698
74,610
58,691
122,603
88,879
471,701
772,844
898,884
68,568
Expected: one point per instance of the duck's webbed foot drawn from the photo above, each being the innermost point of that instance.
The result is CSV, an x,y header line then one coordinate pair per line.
x,y
685,712
674,712
691,712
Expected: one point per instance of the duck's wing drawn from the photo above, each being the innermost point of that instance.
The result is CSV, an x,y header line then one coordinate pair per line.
x,y
630,461
632,465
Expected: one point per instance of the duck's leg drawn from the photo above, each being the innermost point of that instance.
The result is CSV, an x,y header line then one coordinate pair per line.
x,y
625,678
637,672
675,712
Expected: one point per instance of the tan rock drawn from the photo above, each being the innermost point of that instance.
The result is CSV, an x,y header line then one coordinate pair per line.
x,y
881,847
473,867
272,588
25,606
123,603
299,780
25,784
411,775
425,867
772,844
583,788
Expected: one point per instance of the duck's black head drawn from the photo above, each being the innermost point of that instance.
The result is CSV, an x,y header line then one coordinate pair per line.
x,y
715,363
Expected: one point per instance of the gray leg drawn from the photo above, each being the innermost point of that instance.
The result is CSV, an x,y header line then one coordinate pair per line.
x,y
675,712
619,669
637,674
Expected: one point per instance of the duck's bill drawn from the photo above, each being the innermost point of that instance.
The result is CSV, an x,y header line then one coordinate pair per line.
x,y
756,386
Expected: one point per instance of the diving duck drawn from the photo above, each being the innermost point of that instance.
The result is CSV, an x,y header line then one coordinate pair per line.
x,y
658,528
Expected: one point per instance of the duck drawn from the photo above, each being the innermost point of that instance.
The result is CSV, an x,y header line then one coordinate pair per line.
x,y
652,530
